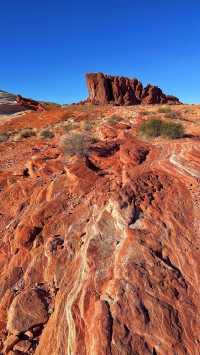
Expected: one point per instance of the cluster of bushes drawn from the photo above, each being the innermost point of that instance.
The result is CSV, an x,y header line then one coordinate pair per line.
x,y
33,132
156,128
169,113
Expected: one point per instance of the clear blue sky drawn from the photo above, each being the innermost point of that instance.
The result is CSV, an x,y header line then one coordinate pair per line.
x,y
48,46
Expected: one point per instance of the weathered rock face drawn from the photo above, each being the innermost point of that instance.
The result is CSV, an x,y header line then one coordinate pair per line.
x,y
99,255
8,104
104,89
29,104
26,311
12,104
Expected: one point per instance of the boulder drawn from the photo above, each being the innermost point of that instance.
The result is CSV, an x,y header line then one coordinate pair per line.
x,y
23,346
9,343
27,310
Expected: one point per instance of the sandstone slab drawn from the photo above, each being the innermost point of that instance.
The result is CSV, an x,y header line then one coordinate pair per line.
x,y
26,311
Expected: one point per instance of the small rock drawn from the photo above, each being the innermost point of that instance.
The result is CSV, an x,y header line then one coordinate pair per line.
x,y
29,334
23,345
26,311
9,343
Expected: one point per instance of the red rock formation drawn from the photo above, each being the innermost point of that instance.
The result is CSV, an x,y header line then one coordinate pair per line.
x,y
105,89
29,104
99,255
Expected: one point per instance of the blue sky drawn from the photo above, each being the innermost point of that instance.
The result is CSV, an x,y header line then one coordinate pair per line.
x,y
48,46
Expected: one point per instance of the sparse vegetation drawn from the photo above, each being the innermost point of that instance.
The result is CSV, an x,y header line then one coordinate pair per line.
x,y
76,144
172,130
86,125
26,133
113,120
3,137
156,128
151,128
146,113
172,115
46,134
68,127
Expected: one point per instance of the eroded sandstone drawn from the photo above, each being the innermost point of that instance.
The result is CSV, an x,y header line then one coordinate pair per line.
x,y
100,254
27,310
104,89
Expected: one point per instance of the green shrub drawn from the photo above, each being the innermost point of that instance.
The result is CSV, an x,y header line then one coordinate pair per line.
x,y
46,134
76,144
151,128
172,130
4,137
156,128
164,109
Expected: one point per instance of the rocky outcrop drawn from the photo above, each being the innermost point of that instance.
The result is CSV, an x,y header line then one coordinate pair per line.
x,y
29,104
11,104
8,104
99,255
104,89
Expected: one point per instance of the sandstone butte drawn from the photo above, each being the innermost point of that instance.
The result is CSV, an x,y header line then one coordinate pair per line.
x,y
105,89
100,256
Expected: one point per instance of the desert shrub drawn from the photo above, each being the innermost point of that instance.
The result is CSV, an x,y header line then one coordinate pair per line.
x,y
164,109
151,128
76,144
25,133
3,137
146,113
86,125
69,126
46,134
156,128
172,130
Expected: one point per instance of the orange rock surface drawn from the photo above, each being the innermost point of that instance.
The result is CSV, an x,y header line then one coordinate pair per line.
x,y
100,255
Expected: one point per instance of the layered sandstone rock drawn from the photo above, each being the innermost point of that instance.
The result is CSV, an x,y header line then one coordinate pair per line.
x,y
12,104
99,255
29,104
104,89
26,311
